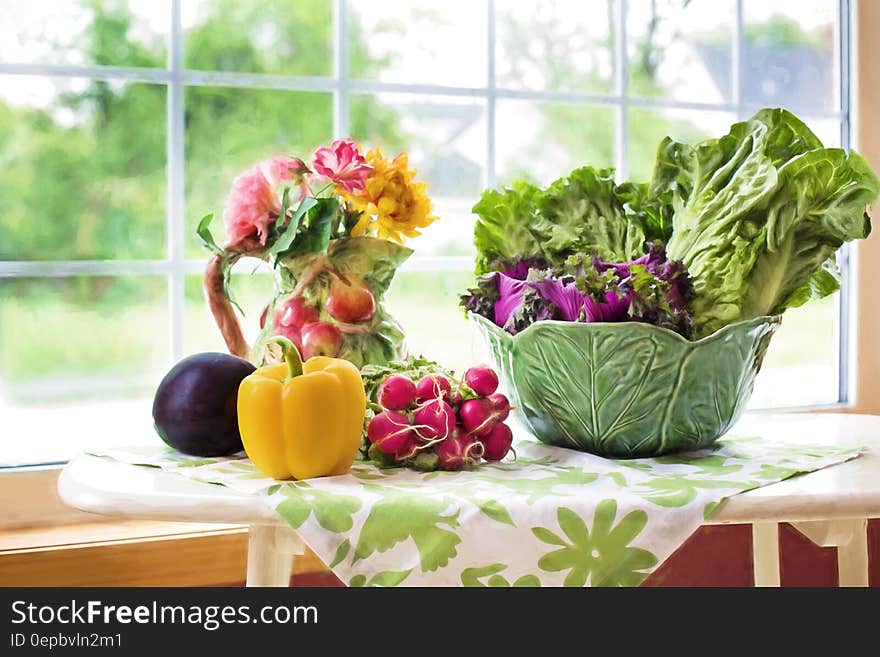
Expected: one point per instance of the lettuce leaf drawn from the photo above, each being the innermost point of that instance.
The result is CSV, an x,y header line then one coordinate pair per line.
x,y
582,212
759,214
502,233
820,205
649,208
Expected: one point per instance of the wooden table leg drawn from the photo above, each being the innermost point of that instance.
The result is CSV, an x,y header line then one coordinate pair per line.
x,y
765,553
270,553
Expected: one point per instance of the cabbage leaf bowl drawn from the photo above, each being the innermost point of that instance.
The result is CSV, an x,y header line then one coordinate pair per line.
x,y
627,389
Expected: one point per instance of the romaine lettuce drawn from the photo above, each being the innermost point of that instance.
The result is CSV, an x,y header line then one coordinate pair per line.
x,y
759,214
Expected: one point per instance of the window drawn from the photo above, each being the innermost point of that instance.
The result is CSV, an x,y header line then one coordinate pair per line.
x,y
121,123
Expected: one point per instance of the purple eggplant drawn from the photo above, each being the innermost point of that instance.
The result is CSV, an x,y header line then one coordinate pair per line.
x,y
195,407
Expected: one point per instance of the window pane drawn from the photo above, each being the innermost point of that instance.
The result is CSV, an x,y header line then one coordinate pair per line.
x,y
680,50
789,54
827,130
426,305
77,181
131,33
647,128
541,141
419,42
228,130
801,367
79,360
446,141
100,327
550,45
252,292
263,36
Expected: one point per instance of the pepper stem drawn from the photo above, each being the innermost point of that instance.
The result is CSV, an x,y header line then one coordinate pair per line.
x,y
291,356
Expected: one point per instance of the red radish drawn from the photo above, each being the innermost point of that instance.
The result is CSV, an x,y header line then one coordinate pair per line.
x,y
263,316
397,392
409,449
497,444
433,386
457,452
455,398
320,339
451,454
473,448
482,380
500,404
434,420
390,432
478,416
350,301
296,312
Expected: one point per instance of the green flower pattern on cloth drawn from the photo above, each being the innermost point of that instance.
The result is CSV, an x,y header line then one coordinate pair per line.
x,y
552,517
601,554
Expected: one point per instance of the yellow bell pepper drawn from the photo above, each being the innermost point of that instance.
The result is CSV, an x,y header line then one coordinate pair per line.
x,y
300,420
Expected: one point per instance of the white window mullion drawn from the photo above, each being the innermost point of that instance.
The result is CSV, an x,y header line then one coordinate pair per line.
x,y
175,172
341,74
843,51
490,96
736,62
67,268
195,78
97,72
843,47
621,71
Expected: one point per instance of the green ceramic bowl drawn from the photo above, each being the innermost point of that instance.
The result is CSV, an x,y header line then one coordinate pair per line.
x,y
628,389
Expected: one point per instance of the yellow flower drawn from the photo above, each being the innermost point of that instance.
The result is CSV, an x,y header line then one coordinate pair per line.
x,y
393,206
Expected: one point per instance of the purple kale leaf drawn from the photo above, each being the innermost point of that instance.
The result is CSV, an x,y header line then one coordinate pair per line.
x,y
648,289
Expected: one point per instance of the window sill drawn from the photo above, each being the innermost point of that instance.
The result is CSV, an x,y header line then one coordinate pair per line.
x,y
131,553
101,531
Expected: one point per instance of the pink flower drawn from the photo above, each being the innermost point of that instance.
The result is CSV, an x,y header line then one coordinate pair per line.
x,y
253,203
343,163
282,167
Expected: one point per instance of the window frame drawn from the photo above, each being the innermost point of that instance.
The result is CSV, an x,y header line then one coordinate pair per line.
x,y
865,320
177,78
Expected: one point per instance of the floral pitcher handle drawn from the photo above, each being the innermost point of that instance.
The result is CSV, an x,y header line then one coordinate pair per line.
x,y
218,299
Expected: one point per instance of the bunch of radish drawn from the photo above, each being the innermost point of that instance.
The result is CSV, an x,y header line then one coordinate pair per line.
x,y
435,421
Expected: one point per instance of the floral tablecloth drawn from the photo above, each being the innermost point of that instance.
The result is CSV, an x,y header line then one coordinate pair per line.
x,y
552,517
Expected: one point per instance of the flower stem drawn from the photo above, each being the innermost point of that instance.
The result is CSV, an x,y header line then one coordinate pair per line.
x,y
324,189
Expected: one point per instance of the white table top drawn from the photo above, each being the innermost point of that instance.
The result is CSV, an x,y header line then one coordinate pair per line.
x,y
847,490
